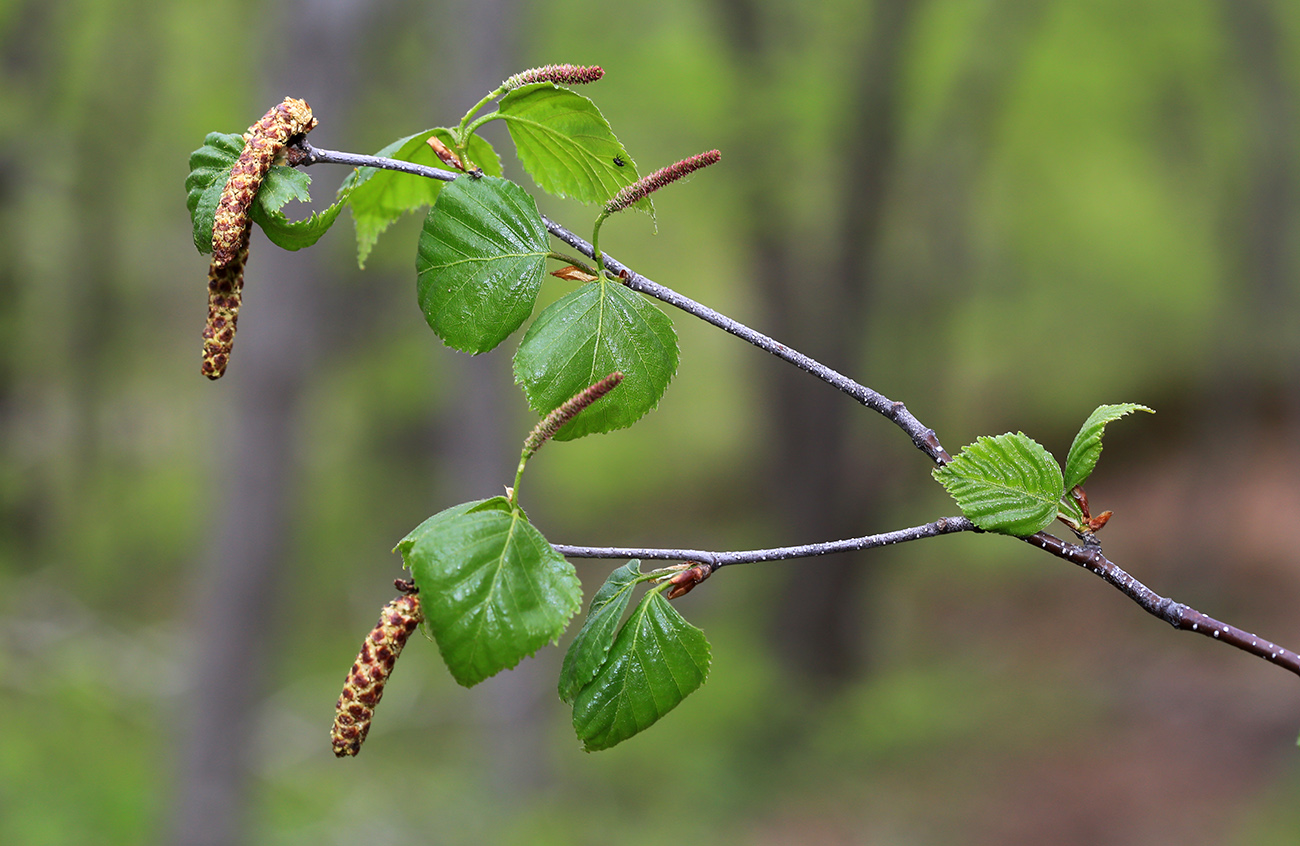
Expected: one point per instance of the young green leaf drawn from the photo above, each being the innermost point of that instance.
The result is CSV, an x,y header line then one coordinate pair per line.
x,y
1086,448
597,329
657,660
492,589
589,649
210,167
481,262
1007,484
290,184
379,197
566,145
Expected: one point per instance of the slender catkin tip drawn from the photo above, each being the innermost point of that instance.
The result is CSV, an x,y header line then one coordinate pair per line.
x,y
559,74
551,423
364,685
647,185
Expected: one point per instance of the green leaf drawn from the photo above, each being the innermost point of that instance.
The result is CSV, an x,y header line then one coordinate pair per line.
x,y
1086,448
481,261
297,234
586,335
657,660
1007,484
281,185
492,589
566,145
379,197
589,649
210,167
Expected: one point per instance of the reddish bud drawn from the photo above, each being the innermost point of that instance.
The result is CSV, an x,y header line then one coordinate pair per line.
x,y
1095,523
447,154
573,273
1081,499
685,581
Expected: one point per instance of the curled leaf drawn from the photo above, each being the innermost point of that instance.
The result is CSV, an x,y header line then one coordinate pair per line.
x,y
379,197
589,649
1086,448
657,660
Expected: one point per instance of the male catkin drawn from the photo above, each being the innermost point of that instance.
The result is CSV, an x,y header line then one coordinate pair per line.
x,y
365,682
263,143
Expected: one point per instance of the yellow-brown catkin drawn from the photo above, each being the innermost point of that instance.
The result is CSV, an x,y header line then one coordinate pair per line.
x,y
263,143
365,682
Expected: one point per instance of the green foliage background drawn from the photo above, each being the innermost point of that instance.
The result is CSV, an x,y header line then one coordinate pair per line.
x,y
1087,230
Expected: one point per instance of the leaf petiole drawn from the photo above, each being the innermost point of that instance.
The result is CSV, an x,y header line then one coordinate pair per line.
x,y
596,254
465,129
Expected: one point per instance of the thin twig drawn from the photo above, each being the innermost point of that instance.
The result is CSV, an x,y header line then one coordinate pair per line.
x,y
309,155
924,438
1178,615
944,526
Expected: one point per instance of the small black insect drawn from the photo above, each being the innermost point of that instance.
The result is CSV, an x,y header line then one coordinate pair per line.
x,y
619,161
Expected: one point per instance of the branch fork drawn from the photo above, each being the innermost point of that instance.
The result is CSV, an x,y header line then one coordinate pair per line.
x,y
702,563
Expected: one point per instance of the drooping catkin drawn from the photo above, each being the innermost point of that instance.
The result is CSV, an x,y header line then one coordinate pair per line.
x,y
365,682
231,224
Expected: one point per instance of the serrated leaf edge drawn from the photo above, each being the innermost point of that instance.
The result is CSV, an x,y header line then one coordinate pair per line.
x,y
1080,447
643,608
950,476
623,595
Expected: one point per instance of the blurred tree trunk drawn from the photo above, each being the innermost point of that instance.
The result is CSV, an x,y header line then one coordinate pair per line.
x,y
1252,392
479,440
1260,368
244,568
819,481
821,485
818,302
942,174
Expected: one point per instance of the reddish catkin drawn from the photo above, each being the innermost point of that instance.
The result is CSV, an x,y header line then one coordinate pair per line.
x,y
365,682
551,423
263,143
647,185
560,74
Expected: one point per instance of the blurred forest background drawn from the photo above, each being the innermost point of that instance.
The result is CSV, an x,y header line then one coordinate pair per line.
x,y
1003,213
